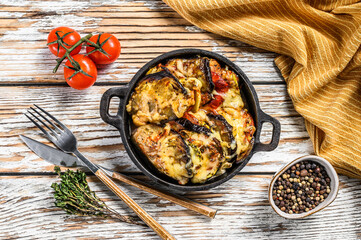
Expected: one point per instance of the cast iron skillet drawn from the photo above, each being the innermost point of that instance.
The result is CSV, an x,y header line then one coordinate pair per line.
x,y
122,121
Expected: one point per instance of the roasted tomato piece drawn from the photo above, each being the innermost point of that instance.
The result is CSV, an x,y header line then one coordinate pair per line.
x,y
166,150
191,118
216,102
220,84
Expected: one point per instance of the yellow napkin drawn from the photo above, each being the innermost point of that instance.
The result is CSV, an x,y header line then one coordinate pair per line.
x,y
320,59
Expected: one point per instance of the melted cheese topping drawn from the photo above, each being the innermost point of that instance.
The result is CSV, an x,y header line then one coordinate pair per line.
x,y
157,100
206,155
165,150
238,119
203,119
232,109
232,99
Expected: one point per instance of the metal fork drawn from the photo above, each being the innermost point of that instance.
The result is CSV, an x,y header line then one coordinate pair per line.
x,y
64,139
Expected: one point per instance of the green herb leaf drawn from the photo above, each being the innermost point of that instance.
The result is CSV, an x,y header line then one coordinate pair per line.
x,y
74,196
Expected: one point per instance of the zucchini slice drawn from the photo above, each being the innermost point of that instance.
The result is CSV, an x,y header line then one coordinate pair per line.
x,y
186,70
224,130
206,154
159,97
216,125
166,150
205,150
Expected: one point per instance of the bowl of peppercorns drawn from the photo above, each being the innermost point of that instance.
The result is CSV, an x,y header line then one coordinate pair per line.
x,y
302,187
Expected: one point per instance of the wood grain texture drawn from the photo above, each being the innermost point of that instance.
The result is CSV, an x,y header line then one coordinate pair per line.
x,y
79,110
177,199
138,210
27,211
146,29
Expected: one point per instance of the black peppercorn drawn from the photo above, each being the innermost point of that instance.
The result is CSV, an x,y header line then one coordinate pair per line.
x,y
301,188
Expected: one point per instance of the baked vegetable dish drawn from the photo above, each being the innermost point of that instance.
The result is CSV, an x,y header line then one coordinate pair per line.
x,y
190,119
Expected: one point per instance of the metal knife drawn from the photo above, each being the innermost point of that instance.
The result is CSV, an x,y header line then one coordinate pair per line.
x,y
55,156
58,157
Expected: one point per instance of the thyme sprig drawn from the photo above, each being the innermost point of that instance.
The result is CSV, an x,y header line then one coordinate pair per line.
x,y
74,196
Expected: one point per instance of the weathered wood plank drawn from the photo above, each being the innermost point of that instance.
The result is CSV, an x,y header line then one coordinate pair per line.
x,y
27,211
39,70
79,110
144,28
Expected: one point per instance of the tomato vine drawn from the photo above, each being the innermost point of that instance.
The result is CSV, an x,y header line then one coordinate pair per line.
x,y
68,51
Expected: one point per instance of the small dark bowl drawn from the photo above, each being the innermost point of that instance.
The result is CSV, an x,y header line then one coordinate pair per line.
x,y
122,121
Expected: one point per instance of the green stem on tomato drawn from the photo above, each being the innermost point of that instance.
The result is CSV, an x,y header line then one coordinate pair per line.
x,y
68,51
92,44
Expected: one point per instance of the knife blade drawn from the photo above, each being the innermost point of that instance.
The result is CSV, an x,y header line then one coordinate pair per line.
x,y
58,157
52,155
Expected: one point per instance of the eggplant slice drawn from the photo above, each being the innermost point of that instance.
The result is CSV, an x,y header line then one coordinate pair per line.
x,y
220,125
206,153
159,97
205,150
189,70
234,111
166,150
183,136
197,68
188,125
213,124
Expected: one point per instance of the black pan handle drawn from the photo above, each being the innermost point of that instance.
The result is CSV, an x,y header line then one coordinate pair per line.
x,y
258,146
114,120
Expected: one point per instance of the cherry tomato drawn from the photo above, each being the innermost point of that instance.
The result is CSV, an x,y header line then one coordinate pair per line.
x,y
191,118
220,84
69,40
80,80
216,102
111,47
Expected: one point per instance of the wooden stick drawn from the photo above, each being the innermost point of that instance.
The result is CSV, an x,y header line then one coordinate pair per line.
x,y
157,228
184,202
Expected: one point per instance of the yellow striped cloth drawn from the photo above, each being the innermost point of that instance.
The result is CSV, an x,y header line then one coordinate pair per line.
x,y
320,59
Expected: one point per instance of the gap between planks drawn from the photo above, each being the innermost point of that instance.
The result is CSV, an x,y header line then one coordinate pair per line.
x,y
108,84
88,173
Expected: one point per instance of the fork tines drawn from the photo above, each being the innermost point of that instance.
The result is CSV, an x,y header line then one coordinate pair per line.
x,y
40,112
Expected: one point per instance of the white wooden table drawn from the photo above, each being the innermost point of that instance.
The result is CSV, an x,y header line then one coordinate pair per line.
x,y
146,29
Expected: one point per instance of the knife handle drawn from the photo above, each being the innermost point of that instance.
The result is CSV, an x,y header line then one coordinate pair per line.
x,y
157,228
184,202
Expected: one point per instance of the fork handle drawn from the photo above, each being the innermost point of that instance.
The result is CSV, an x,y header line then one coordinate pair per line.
x,y
182,201
151,222
164,234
